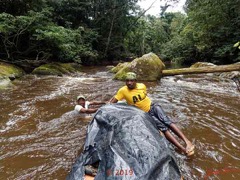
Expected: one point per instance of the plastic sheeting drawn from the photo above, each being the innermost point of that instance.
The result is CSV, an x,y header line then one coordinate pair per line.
x,y
127,145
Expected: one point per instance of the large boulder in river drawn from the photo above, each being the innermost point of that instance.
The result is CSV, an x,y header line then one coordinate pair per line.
x,y
148,68
57,69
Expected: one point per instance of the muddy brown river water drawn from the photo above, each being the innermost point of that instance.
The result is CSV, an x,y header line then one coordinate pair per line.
x,y
41,136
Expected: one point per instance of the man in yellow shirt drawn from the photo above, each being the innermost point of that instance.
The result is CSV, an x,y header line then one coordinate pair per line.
x,y
136,94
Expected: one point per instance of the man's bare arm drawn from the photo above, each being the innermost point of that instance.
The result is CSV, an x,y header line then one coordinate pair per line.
x,y
113,100
91,110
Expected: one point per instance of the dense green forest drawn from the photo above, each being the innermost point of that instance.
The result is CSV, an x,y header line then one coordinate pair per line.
x,y
93,32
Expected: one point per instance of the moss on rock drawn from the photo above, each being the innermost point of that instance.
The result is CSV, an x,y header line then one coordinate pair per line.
x,y
118,67
148,68
57,69
9,72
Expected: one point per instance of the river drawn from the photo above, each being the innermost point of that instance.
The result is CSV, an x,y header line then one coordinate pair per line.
x,y
41,136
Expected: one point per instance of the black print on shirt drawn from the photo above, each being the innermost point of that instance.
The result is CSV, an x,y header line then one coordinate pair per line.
x,y
136,98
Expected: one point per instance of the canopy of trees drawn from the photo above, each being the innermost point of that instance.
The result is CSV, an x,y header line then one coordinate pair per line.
x,y
89,32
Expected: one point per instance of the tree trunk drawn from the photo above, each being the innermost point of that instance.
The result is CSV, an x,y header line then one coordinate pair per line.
x,y
206,69
110,31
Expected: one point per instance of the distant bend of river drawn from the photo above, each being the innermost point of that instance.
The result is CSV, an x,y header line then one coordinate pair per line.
x,y
41,136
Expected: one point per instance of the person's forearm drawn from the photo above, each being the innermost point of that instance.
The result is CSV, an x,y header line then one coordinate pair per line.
x,y
113,100
92,110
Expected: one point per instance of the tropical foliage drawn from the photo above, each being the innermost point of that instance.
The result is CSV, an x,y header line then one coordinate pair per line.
x,y
90,32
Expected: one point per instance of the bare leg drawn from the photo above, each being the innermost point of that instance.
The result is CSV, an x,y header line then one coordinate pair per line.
x,y
178,132
173,140
157,113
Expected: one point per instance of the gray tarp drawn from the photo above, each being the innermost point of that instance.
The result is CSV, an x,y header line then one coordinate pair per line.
x,y
127,145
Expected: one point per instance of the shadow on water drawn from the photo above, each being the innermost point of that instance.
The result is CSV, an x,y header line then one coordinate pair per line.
x,y
41,135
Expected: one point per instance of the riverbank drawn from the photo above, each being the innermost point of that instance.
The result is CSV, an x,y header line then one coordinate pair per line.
x,y
10,72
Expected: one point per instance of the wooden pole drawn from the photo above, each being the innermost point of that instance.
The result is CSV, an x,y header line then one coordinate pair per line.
x,y
206,69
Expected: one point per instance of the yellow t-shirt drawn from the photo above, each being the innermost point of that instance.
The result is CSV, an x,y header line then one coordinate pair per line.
x,y
137,96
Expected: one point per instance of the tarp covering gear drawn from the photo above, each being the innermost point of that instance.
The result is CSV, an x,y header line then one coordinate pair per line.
x,y
127,145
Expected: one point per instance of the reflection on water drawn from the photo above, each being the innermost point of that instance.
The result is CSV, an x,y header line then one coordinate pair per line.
x,y
41,135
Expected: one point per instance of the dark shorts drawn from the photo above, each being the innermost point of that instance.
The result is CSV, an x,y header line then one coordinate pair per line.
x,y
161,119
